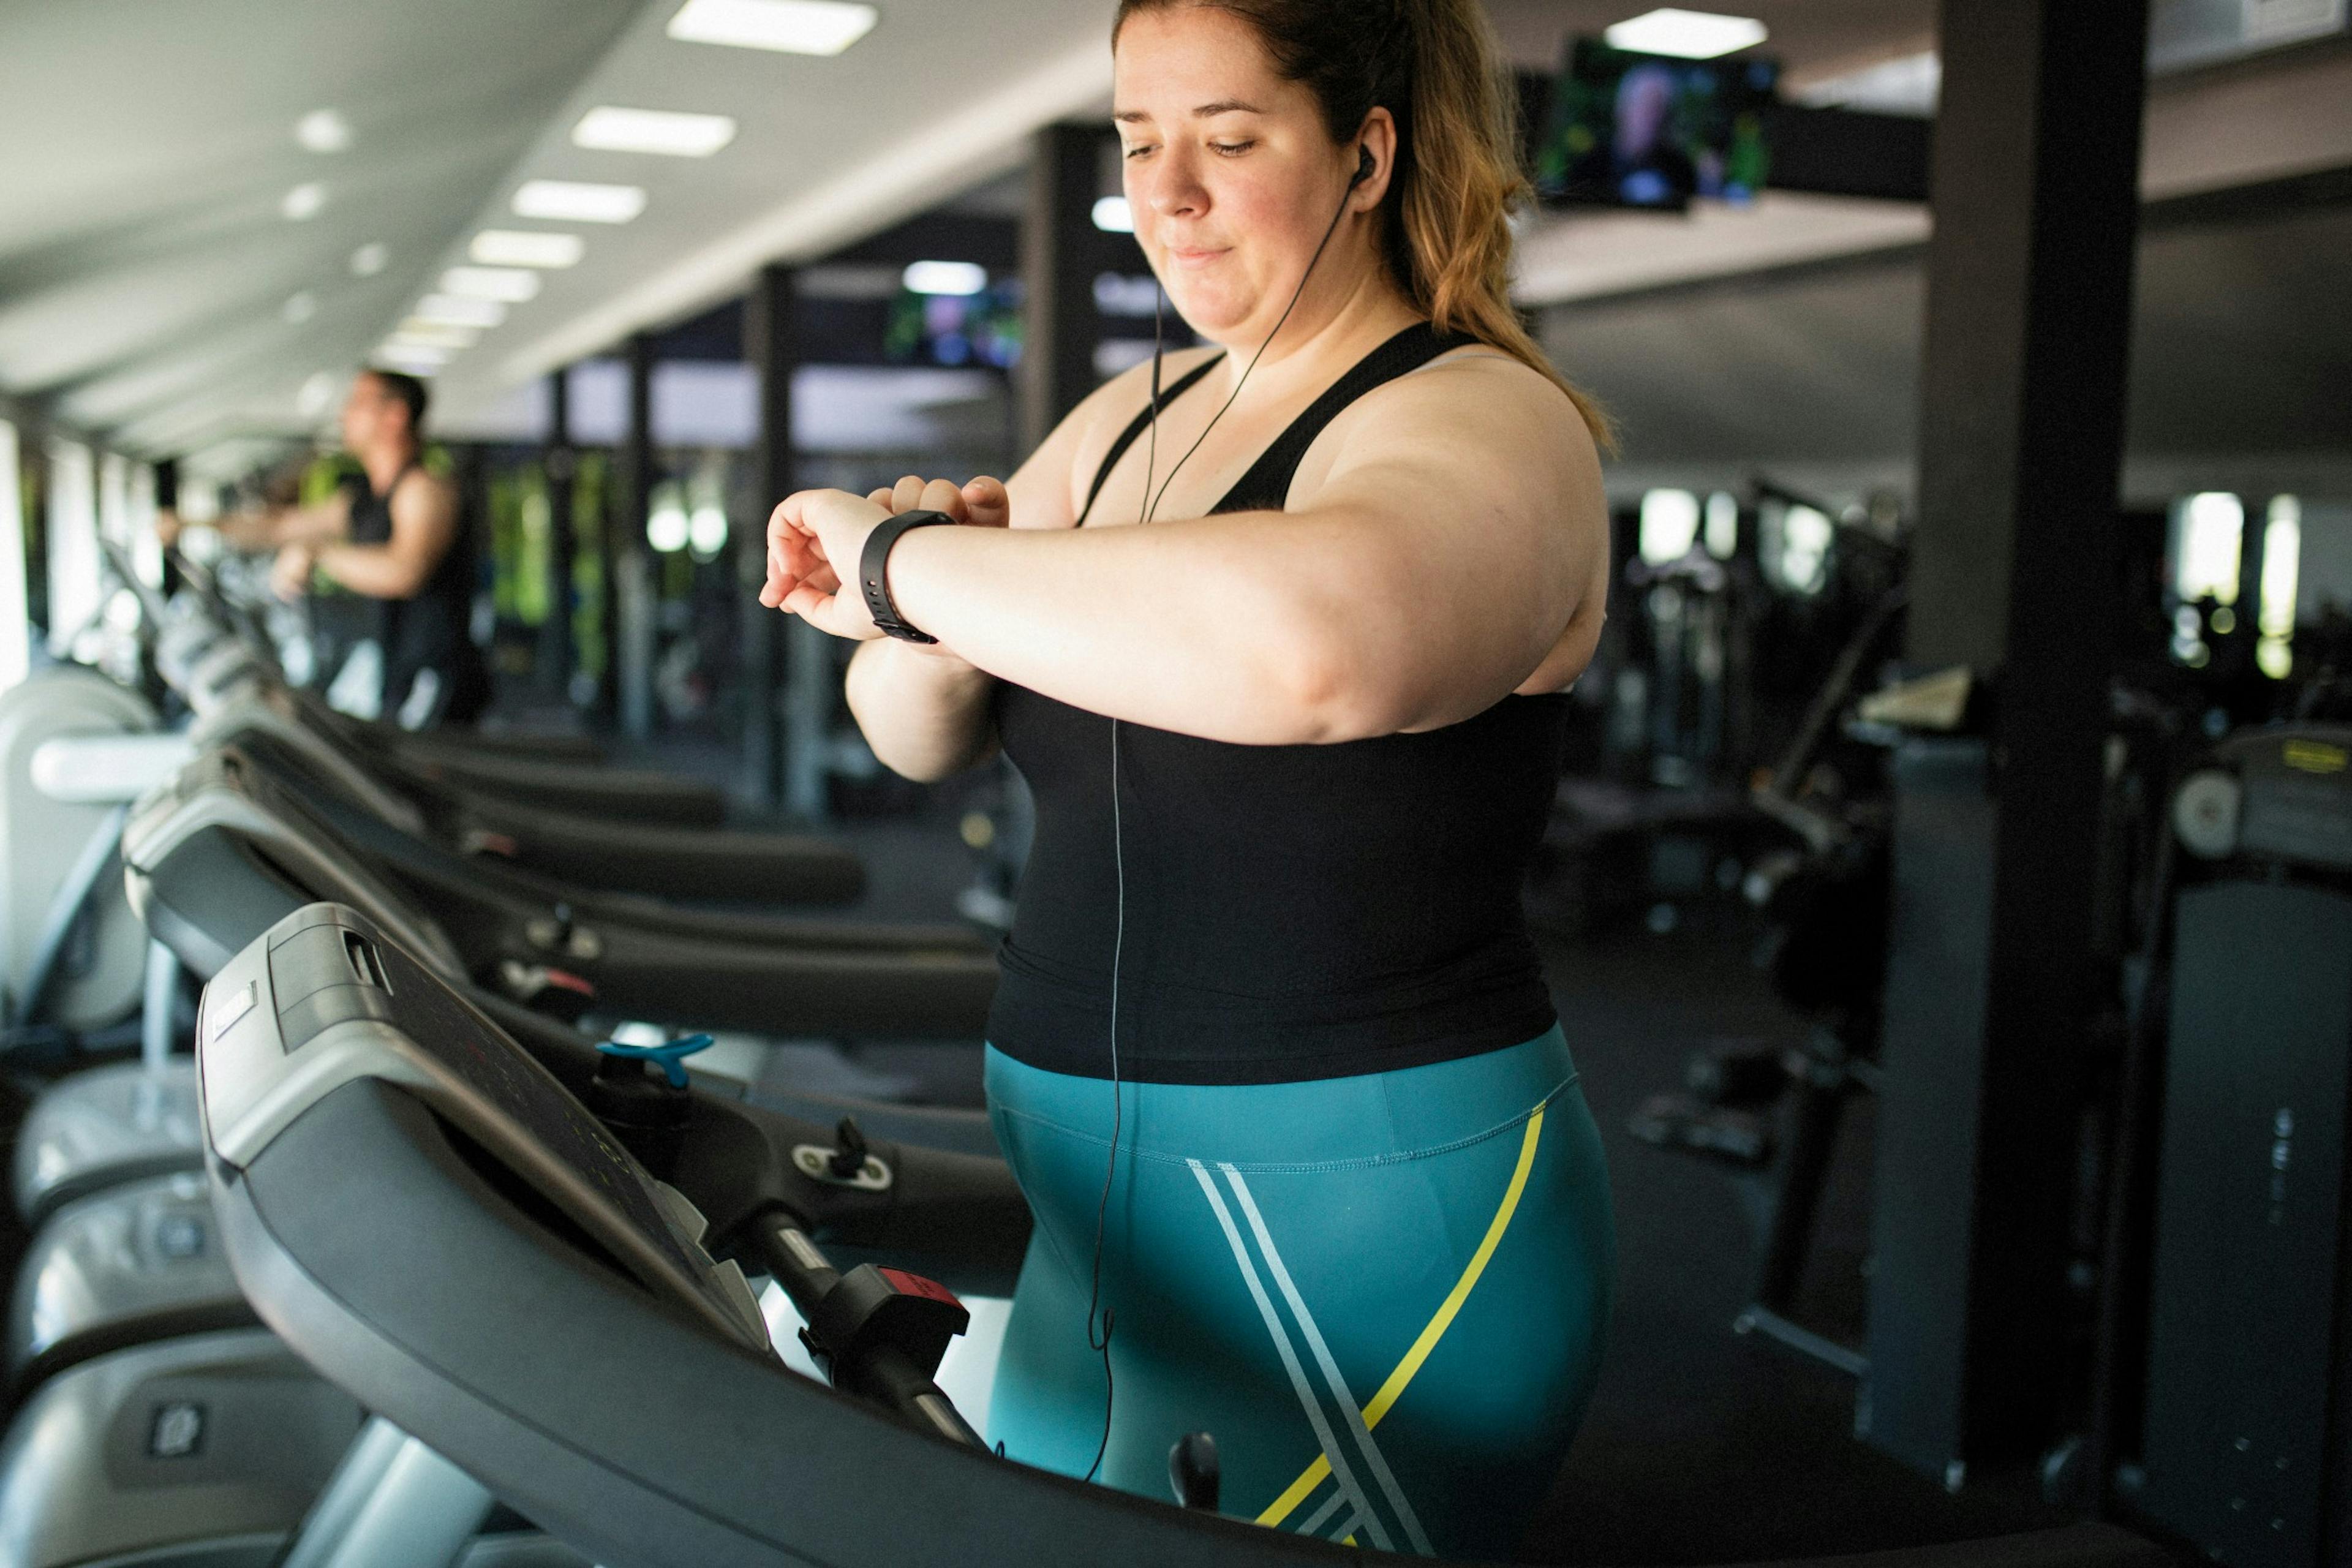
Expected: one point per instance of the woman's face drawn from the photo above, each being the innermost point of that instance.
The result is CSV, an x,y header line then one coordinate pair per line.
x,y
1229,171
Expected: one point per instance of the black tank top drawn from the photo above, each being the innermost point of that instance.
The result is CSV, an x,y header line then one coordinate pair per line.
x,y
1293,913
432,629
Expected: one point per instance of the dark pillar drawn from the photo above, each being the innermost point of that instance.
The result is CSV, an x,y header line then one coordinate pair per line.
x,y
554,659
1057,243
1992,972
629,590
772,345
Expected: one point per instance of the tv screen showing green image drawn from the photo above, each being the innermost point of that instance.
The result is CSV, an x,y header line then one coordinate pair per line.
x,y
1644,130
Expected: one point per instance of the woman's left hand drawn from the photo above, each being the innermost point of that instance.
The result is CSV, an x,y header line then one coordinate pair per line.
x,y
814,541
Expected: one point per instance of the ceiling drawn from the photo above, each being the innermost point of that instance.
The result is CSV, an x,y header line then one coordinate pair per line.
x,y
2236,380
152,293
145,265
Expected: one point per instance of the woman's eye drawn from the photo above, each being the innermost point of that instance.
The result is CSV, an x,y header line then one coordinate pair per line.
x,y
1139,150
1233,149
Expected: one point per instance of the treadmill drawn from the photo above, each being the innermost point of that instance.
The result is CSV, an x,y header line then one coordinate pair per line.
x,y
575,1333
647,832
225,850
600,825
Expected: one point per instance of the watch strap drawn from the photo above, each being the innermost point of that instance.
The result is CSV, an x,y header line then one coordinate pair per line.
x,y
872,571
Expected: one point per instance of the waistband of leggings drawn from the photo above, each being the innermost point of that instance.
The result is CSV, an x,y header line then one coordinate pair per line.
x,y
1408,1113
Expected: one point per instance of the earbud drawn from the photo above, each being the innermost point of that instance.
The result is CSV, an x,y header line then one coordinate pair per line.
x,y
1363,167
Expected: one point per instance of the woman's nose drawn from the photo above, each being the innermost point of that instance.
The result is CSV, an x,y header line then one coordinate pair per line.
x,y
1169,185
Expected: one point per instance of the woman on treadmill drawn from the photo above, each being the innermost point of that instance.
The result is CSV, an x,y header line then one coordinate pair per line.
x,y
1273,1055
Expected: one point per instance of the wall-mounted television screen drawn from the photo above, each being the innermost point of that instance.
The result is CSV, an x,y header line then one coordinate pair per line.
x,y
1643,131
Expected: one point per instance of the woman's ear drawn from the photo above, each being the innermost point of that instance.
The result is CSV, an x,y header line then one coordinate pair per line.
x,y
1376,148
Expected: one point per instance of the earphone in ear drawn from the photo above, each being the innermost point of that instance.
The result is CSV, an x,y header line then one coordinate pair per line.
x,y
1363,167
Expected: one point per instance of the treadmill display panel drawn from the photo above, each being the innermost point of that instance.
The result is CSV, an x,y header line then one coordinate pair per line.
x,y
426,1013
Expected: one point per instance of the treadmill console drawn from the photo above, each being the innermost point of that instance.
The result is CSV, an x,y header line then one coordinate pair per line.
x,y
323,998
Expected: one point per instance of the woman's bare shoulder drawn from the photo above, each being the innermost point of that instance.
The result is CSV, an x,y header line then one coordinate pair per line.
x,y
1107,409
1472,409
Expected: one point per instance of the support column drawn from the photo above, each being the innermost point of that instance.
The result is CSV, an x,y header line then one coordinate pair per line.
x,y
773,347
554,659
1992,974
629,596
1057,243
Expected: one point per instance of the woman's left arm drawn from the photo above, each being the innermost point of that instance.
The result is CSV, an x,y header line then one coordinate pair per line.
x,y
1435,559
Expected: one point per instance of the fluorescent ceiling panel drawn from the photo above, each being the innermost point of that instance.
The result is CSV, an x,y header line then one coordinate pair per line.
x,y
1113,216
1690,35
525,247
662,130
369,258
303,201
508,285
790,26
576,201
451,310
434,334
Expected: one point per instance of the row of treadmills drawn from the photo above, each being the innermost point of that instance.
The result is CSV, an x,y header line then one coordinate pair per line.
x,y
397,1266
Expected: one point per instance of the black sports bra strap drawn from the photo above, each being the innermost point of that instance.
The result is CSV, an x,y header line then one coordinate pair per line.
x,y
1266,486
1136,426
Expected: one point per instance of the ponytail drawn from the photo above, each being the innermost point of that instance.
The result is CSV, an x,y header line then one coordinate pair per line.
x,y
1430,63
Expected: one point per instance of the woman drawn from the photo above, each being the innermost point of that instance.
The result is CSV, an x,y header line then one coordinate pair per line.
x,y
1271,1055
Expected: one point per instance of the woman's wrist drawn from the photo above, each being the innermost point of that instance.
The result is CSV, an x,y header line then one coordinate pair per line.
x,y
916,578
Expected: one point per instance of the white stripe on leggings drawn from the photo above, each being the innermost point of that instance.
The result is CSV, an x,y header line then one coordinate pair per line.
x,y
1307,1401
1323,1359
1322,1516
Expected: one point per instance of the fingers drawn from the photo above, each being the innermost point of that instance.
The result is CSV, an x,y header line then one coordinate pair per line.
x,y
987,503
832,612
914,493
943,496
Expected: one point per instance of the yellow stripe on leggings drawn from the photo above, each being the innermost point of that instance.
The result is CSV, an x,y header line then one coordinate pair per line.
x,y
1317,1473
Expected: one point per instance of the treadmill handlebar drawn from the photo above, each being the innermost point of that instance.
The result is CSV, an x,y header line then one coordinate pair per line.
x,y
877,1333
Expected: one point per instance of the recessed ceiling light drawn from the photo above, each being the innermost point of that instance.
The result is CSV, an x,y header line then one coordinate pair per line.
x,y
574,201
509,285
324,130
303,201
434,334
300,308
317,392
1690,35
792,27
678,135
1113,216
945,277
522,248
451,310
369,258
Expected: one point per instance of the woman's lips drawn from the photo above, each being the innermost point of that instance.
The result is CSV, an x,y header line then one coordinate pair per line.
x,y
1187,257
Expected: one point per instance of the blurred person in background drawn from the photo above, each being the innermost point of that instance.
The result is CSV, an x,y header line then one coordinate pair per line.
x,y
393,535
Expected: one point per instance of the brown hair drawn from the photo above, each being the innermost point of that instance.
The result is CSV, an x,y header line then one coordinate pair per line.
x,y
406,391
1429,64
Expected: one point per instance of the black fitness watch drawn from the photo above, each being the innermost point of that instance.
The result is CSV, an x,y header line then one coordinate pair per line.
x,y
873,569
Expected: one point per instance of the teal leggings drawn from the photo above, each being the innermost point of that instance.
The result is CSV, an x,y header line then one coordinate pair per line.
x,y
1383,1296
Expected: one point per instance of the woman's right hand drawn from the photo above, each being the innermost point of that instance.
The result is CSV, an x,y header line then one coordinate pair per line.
x,y
982,504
